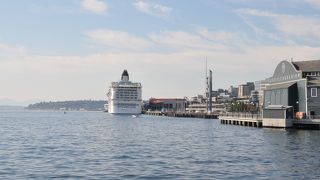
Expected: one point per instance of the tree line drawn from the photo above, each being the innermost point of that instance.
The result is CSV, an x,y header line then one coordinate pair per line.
x,y
88,105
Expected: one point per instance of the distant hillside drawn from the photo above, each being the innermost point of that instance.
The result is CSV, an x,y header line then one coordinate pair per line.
x,y
86,105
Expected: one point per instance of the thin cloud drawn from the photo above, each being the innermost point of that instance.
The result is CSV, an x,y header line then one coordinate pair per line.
x,y
314,3
169,40
227,38
12,49
152,9
95,6
118,39
260,31
181,40
293,28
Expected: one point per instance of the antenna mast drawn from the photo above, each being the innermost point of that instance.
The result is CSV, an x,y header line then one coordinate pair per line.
x,y
206,93
206,67
208,89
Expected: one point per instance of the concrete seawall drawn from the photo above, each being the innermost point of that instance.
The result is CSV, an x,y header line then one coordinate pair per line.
x,y
242,119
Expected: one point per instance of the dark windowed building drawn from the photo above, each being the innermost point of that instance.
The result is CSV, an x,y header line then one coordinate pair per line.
x,y
295,84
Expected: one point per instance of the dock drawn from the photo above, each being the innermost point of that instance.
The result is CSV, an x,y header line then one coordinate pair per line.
x,y
182,114
256,120
307,124
241,119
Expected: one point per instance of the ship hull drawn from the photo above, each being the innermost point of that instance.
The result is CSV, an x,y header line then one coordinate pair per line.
x,y
125,108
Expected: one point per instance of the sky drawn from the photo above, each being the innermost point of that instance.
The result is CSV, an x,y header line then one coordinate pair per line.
x,y
73,49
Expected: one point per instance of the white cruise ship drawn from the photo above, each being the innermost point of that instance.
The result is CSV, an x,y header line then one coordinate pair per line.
x,y
124,97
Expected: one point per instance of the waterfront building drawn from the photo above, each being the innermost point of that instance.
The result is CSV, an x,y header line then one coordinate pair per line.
x,y
218,108
260,86
220,101
167,104
199,99
296,85
254,98
244,90
233,91
197,104
197,108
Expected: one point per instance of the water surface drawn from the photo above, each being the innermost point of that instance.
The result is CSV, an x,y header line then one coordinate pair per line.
x,y
96,145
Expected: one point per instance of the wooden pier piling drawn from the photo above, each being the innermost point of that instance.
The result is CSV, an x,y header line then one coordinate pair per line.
x,y
241,119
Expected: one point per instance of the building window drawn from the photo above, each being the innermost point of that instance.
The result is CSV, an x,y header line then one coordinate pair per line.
x,y
314,92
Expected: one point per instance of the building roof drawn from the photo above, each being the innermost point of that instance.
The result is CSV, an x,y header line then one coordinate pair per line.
x,y
313,81
313,65
162,100
278,107
280,86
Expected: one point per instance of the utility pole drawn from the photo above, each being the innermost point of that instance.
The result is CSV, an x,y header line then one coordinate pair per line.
x,y
207,86
210,92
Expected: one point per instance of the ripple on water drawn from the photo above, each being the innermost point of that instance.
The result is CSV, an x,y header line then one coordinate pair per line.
x,y
95,145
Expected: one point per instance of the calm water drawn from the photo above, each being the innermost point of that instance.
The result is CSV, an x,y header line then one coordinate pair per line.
x,y
96,145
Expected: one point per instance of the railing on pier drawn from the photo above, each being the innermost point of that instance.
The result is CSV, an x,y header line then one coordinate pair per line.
x,y
182,114
241,115
241,118
315,117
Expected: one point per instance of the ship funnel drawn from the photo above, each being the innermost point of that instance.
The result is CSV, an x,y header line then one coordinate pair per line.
x,y
125,76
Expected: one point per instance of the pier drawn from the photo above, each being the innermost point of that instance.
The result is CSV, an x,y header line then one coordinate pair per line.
x,y
256,120
307,124
182,114
241,119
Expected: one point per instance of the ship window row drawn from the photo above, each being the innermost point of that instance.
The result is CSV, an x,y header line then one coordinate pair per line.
x,y
126,105
127,94
120,94
126,89
127,97
130,93
129,89
133,93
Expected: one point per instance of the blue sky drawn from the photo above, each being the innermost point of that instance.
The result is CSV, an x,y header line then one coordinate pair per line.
x,y
73,49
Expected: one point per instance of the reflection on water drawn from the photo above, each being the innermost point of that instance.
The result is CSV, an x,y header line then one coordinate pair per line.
x,y
100,146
